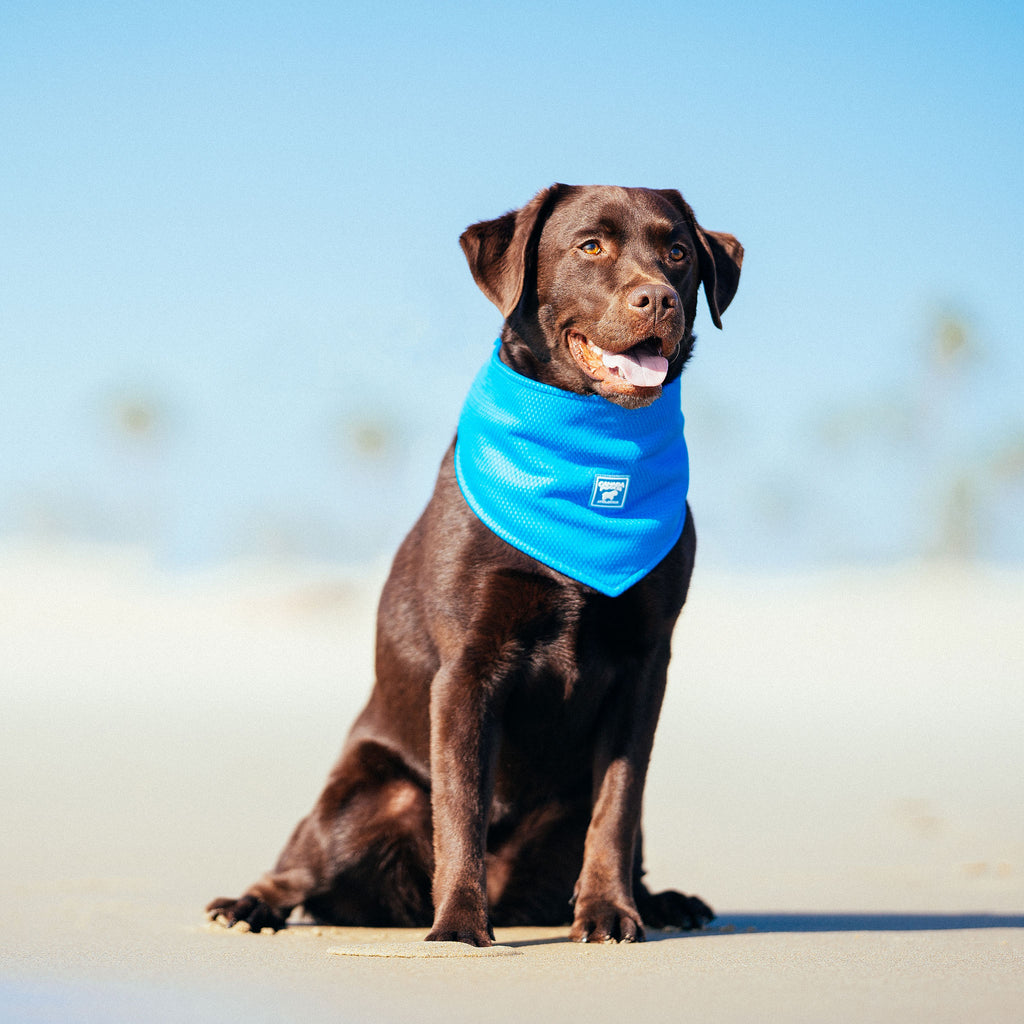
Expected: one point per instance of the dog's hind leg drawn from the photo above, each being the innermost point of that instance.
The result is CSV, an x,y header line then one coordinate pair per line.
x,y
362,857
671,909
667,909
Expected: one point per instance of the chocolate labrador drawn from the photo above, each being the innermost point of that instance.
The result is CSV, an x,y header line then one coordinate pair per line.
x,y
496,775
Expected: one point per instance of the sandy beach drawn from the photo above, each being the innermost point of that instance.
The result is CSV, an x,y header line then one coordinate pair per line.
x,y
837,772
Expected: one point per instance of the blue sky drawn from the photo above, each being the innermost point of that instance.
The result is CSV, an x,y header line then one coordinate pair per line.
x,y
234,315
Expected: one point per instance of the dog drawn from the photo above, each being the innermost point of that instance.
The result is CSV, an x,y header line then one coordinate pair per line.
x,y
495,777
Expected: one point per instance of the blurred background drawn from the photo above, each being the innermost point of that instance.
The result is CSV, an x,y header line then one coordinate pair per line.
x,y
235,322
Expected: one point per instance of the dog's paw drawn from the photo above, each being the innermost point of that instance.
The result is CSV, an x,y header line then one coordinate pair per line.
x,y
604,921
248,910
671,909
472,937
462,930
462,917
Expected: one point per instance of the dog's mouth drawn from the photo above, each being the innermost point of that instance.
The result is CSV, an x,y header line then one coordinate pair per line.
x,y
639,368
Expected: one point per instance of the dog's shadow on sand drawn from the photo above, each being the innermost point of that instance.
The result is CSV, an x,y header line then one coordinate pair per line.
x,y
766,924
734,924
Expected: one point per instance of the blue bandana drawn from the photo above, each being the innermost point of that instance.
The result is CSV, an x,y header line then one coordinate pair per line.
x,y
593,490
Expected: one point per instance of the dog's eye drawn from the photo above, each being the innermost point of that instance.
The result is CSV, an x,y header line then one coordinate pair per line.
x,y
591,248
677,253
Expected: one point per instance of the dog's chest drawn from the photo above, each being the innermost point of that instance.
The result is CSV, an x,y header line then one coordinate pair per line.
x,y
566,674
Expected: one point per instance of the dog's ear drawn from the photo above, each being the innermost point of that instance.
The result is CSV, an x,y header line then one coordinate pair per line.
x,y
720,264
720,258
502,253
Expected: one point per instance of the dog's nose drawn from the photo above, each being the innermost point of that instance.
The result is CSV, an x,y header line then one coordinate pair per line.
x,y
655,298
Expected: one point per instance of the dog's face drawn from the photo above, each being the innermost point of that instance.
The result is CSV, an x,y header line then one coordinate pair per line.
x,y
599,285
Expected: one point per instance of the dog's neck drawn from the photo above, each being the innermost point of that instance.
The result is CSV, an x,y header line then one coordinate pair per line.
x,y
525,350
530,356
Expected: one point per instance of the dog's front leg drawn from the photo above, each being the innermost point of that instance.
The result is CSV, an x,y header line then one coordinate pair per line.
x,y
462,746
605,908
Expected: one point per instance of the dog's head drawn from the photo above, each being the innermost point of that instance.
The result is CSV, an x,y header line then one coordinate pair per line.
x,y
598,286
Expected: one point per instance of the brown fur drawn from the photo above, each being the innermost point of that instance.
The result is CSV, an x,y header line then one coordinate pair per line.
x,y
496,775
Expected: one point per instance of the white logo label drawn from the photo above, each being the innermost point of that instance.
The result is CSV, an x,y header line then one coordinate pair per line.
x,y
609,491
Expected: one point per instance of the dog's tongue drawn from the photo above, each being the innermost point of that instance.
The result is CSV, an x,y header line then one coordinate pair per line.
x,y
641,368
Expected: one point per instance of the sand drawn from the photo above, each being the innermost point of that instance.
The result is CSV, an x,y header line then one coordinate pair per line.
x,y
837,772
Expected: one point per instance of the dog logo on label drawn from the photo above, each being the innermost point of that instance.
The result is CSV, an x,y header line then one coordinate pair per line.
x,y
609,491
